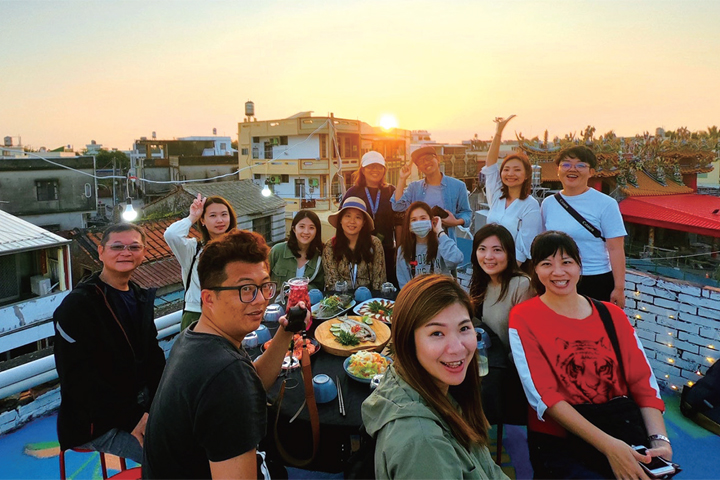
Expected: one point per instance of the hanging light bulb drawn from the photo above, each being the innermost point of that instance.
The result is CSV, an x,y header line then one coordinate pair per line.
x,y
266,192
129,214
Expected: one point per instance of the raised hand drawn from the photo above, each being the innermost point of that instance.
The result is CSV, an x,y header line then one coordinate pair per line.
x,y
405,171
437,225
196,209
501,122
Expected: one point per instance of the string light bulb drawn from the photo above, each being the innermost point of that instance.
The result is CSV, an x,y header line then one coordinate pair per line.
x,y
129,214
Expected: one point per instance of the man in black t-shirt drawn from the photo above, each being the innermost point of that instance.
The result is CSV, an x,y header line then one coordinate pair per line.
x,y
209,413
106,352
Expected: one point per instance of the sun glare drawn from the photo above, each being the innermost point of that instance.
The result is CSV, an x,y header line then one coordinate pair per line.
x,y
388,121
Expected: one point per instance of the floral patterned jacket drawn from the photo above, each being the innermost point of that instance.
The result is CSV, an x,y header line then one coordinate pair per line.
x,y
371,276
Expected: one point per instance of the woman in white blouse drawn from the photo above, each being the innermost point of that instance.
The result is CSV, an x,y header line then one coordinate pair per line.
x,y
508,191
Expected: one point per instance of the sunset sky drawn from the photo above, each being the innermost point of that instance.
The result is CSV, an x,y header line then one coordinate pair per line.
x,y
114,71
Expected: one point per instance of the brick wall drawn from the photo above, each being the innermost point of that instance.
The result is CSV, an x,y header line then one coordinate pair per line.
x,y
678,324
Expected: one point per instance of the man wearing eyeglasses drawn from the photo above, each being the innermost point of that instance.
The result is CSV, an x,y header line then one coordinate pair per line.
x,y
106,352
210,411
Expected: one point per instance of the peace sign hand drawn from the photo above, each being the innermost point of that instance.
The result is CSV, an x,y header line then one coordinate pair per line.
x,y
196,209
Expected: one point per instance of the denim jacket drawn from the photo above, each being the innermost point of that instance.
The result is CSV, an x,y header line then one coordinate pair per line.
x,y
455,197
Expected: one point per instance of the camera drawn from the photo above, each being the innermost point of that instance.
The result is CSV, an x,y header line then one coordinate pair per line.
x,y
296,319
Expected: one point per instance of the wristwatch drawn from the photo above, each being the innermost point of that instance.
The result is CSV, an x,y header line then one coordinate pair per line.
x,y
662,438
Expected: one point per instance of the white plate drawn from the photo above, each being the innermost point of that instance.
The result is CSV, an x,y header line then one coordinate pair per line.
x,y
375,316
316,307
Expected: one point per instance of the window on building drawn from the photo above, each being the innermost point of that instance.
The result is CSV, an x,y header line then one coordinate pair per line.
x,y
284,178
299,188
323,146
256,140
245,151
223,146
46,190
256,176
702,175
284,140
256,152
263,226
268,151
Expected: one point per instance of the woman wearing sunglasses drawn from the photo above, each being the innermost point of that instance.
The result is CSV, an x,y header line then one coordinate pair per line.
x,y
597,225
425,248
508,193
213,216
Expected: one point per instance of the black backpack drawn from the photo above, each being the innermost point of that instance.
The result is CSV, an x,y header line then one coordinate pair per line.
x,y
361,464
701,402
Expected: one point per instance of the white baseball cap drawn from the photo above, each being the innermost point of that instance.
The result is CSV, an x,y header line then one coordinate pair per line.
x,y
372,157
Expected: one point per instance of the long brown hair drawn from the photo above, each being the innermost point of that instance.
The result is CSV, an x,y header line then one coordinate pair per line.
x,y
527,184
209,201
420,301
409,239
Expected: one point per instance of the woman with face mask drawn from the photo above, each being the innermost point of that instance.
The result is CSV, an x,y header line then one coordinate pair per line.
x,y
426,248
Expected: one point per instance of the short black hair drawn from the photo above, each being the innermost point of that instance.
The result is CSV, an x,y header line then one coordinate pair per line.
x,y
122,227
547,244
234,246
580,152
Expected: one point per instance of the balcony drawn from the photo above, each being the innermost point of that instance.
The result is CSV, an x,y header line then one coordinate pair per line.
x,y
28,321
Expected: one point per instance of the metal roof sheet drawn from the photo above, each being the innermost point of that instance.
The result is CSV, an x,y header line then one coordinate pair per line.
x,y
688,213
18,235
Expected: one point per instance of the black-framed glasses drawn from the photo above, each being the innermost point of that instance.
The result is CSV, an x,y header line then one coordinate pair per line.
x,y
248,292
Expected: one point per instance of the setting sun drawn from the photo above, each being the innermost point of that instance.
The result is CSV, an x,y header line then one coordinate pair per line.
x,y
388,121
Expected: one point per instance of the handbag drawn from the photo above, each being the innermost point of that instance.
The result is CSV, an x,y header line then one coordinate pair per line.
x,y
619,418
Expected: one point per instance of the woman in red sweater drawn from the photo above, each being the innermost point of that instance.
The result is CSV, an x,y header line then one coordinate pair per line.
x,y
564,357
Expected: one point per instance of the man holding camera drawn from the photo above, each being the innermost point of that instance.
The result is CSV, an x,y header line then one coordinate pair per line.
x,y
209,413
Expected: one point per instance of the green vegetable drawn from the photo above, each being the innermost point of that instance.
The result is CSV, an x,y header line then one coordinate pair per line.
x,y
347,339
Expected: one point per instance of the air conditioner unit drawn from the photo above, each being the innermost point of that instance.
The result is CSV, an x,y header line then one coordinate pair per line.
x,y
40,285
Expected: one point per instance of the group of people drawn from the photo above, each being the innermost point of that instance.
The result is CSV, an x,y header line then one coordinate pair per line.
x,y
204,413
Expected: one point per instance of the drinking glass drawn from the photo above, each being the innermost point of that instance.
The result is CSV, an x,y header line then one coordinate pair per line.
x,y
341,287
387,290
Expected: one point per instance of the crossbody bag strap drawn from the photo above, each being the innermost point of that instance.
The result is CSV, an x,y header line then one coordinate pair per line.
x,y
198,248
580,219
612,334
312,411
317,269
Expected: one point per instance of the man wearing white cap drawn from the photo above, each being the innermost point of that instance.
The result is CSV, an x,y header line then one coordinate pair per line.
x,y
370,185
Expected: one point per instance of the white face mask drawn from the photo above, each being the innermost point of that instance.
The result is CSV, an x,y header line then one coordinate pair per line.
x,y
421,228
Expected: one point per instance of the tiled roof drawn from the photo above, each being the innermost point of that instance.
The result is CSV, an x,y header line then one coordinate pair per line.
x,y
649,187
17,235
243,195
158,274
688,213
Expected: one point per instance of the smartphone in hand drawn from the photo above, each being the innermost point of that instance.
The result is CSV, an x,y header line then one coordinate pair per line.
x,y
658,466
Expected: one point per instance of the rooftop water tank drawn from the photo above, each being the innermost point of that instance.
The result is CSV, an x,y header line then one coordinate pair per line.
x,y
249,109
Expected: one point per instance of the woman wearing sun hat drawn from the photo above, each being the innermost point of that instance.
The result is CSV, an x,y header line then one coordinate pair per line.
x,y
370,185
353,254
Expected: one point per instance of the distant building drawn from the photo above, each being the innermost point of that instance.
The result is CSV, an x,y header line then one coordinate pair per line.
x,y
300,157
35,277
264,215
55,197
185,158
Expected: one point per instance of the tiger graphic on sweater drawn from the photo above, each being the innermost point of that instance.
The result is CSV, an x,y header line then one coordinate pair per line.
x,y
586,369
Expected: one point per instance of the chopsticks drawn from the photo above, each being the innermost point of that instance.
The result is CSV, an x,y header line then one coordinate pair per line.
x,y
341,402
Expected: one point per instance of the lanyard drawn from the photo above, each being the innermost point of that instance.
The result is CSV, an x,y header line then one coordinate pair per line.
x,y
353,274
373,207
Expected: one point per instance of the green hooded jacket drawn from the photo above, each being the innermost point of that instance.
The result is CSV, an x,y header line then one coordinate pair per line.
x,y
413,441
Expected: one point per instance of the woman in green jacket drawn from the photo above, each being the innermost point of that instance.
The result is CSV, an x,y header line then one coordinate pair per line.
x,y
426,415
301,254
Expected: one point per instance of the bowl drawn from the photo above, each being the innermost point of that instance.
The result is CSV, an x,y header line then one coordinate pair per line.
x,y
315,295
273,313
362,294
263,334
325,389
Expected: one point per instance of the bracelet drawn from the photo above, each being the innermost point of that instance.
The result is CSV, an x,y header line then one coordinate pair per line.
x,y
660,437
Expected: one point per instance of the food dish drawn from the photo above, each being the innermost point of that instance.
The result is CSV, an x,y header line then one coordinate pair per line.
x,y
377,309
317,315
313,348
371,373
327,339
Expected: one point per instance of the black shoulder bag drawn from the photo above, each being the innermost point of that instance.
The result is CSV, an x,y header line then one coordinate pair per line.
x,y
580,219
619,418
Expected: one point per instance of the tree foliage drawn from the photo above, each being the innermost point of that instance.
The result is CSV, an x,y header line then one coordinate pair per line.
x,y
104,159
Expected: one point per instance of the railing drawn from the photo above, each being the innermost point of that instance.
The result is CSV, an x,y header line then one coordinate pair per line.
x,y
32,374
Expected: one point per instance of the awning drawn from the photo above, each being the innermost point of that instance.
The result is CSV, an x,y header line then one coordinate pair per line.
x,y
688,213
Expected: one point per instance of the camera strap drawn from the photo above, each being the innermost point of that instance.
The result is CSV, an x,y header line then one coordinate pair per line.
x,y
579,218
312,411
